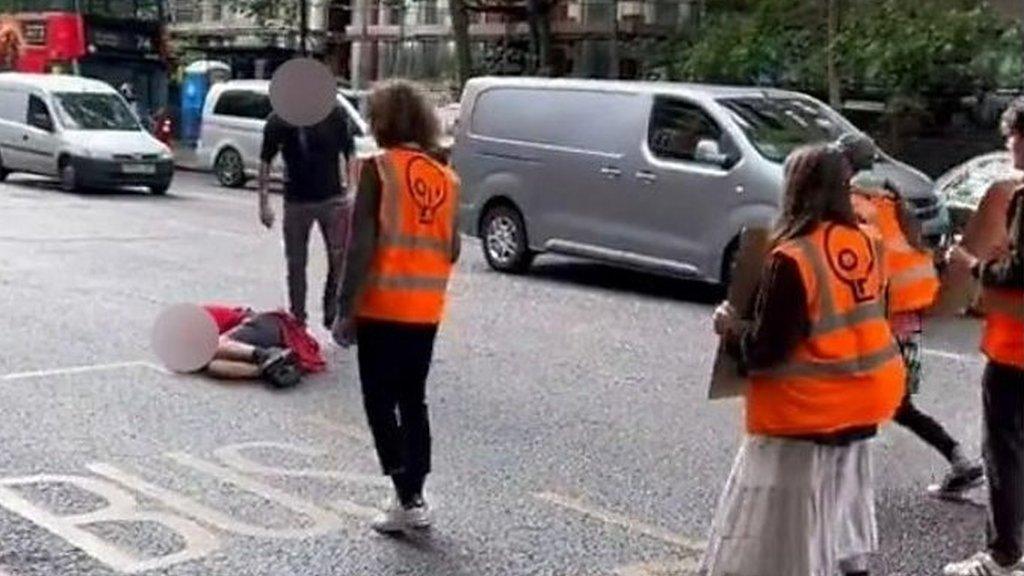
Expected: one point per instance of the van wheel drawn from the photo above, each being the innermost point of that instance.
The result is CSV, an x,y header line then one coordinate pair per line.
x,y
230,169
68,176
3,171
504,240
159,190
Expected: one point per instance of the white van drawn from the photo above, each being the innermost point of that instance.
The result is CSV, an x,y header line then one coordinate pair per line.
x,y
78,130
231,132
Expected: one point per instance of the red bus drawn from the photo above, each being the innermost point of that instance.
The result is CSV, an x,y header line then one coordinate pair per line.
x,y
117,41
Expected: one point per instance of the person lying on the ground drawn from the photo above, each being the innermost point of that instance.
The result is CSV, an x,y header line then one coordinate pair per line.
x,y
271,346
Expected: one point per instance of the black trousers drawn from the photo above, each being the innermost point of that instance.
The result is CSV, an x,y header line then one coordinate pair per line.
x,y
1004,459
394,361
925,427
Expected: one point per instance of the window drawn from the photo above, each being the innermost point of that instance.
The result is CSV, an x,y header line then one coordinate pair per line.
x,y
93,111
677,126
243,104
777,126
599,122
39,114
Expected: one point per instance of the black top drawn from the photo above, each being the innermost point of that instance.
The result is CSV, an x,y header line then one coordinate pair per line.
x,y
311,155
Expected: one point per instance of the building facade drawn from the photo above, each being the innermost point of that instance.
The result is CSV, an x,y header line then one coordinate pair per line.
x,y
590,38
254,46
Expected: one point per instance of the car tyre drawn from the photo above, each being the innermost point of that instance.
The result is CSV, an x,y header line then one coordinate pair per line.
x,y
230,169
160,189
504,240
68,176
4,173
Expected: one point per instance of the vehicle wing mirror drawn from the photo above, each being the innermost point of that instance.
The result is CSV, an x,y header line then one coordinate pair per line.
x,y
709,152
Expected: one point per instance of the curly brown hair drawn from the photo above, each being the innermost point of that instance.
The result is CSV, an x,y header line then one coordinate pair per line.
x,y
401,114
1013,118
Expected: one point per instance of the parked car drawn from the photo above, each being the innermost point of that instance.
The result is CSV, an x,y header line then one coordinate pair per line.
x,y
655,176
77,130
963,187
231,130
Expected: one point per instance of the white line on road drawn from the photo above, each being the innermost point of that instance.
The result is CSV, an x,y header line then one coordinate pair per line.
x,y
78,370
622,521
956,356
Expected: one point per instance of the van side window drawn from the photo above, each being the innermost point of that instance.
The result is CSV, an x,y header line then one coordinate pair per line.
x,y
676,127
243,104
39,114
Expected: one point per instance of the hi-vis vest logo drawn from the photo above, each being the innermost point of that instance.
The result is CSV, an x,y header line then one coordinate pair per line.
x,y
428,186
846,249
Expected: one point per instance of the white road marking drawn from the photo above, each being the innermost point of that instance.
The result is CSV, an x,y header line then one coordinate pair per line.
x,y
80,370
622,521
955,356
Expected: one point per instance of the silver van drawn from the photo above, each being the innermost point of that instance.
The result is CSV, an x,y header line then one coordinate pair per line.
x,y
655,176
231,130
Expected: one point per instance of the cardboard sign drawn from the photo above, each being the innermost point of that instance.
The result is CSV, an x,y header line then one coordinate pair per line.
x,y
726,381
985,236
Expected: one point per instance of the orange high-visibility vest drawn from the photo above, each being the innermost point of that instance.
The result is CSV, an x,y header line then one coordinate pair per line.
x,y
413,259
848,372
1003,338
913,281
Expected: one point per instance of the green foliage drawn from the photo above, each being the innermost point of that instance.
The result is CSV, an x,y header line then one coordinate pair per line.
x,y
885,47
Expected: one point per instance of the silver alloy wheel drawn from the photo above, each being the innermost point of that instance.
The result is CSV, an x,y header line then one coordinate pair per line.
x,y
229,168
502,240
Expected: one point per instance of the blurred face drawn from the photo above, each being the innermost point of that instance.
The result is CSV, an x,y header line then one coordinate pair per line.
x,y
1015,144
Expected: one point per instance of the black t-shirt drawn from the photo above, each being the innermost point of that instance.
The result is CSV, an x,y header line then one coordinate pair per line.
x,y
311,155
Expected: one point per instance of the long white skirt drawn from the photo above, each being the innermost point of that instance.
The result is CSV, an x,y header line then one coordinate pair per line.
x,y
794,508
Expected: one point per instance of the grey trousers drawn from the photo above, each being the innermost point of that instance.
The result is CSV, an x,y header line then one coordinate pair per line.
x,y
1004,460
333,217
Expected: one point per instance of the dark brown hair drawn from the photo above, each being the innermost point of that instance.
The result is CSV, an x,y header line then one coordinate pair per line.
x,y
1013,118
400,114
817,189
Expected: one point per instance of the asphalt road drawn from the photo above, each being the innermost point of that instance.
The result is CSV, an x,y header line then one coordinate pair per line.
x,y
572,436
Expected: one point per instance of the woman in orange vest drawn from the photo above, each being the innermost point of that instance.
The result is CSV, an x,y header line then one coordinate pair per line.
x,y
824,374
913,287
405,243
1002,301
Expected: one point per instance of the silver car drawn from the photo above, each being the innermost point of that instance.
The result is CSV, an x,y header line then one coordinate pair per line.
x,y
655,176
231,132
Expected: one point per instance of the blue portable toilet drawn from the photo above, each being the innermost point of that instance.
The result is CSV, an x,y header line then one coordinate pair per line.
x,y
194,86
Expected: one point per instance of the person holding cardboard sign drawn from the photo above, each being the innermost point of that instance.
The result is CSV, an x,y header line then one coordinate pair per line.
x,y
824,374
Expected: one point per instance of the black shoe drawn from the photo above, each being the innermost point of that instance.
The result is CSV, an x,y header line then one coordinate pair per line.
x,y
267,358
283,375
961,479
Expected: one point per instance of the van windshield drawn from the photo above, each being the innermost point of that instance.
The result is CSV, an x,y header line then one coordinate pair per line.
x,y
777,126
95,111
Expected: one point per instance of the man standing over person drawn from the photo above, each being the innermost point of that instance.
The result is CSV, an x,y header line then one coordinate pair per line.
x,y
315,191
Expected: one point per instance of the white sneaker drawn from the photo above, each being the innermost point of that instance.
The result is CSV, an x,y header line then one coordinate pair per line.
x,y
981,564
397,518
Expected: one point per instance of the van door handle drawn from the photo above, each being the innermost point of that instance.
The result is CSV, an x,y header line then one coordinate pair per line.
x,y
24,137
646,177
611,172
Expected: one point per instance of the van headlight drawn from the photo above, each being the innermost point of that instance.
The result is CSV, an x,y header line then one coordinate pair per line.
x,y
166,154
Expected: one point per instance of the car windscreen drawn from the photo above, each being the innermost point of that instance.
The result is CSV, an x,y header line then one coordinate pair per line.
x,y
777,126
95,111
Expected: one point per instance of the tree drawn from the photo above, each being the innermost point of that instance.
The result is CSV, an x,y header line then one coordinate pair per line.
x,y
536,13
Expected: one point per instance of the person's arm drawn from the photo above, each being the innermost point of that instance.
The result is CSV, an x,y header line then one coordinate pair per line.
x,y
269,149
780,320
1008,270
364,240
